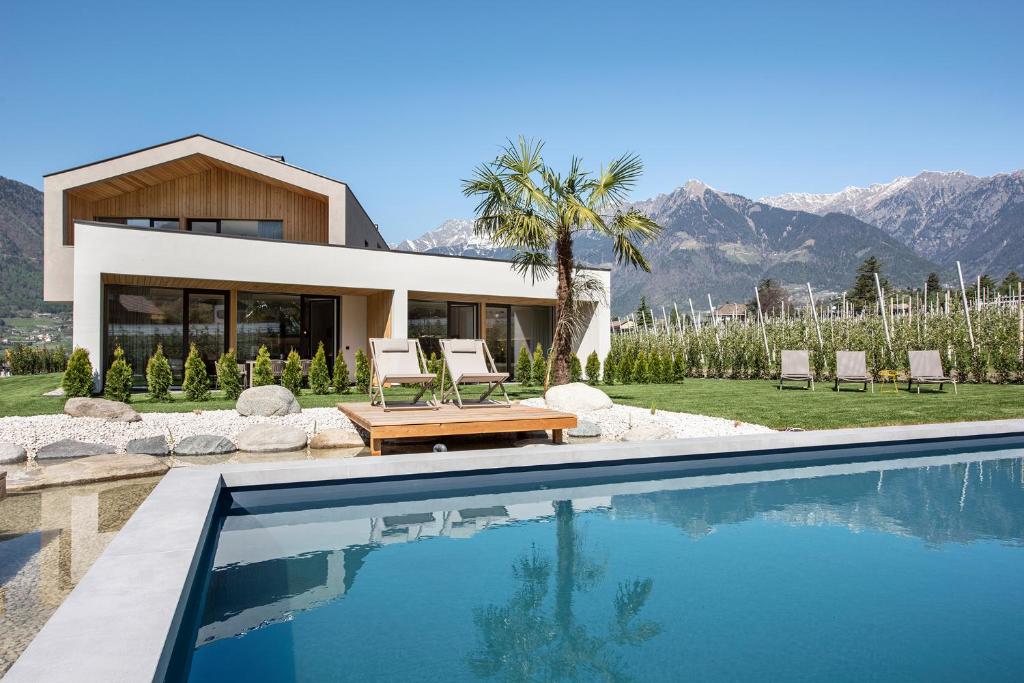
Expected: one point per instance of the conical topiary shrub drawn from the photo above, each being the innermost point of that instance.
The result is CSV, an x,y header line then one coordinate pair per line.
x,y
319,377
593,368
341,380
291,374
229,377
77,380
118,383
524,367
158,376
262,373
539,367
362,372
196,384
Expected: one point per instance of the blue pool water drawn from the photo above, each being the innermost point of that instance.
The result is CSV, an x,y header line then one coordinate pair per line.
x,y
886,571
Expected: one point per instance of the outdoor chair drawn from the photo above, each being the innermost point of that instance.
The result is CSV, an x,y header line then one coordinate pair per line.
x,y
468,361
852,366
926,368
796,367
400,361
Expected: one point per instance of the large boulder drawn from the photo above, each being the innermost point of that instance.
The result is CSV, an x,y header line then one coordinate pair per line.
x,y
267,401
101,409
650,432
204,444
271,438
576,398
69,448
148,445
11,453
336,438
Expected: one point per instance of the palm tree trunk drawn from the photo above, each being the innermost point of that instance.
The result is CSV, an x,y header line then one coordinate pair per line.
x,y
562,345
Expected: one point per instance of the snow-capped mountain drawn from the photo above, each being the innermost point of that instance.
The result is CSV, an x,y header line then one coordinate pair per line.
x,y
455,236
721,243
942,216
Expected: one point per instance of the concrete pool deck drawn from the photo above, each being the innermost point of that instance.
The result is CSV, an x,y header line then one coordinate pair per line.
x,y
119,622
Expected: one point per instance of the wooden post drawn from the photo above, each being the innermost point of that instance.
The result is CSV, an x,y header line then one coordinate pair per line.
x,y
814,312
881,310
679,321
967,309
760,319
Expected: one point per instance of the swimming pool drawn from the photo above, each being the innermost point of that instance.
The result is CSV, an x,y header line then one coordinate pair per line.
x,y
893,570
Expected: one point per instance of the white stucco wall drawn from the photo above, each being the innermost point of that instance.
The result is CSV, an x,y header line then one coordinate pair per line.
x,y
117,250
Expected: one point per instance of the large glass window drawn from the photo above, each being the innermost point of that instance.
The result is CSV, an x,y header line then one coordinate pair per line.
x,y
139,318
274,320
271,230
530,325
428,322
159,223
497,334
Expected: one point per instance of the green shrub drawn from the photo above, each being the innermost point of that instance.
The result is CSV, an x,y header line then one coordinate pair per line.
x,y
158,375
341,381
610,365
319,377
524,367
229,377
78,376
575,369
679,366
291,374
362,372
593,368
262,373
118,383
58,359
538,369
196,383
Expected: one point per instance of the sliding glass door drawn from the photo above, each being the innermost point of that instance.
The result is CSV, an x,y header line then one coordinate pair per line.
x,y
283,322
498,333
205,327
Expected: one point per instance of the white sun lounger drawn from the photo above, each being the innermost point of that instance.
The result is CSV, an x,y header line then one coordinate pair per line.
x,y
926,368
796,366
852,367
468,361
400,361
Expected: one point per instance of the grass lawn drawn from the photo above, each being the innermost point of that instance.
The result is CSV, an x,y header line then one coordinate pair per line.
x,y
756,401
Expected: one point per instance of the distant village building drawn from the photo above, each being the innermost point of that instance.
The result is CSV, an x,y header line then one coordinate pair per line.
x,y
731,312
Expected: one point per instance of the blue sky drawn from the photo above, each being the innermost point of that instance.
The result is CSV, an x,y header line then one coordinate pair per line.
x,y
402,100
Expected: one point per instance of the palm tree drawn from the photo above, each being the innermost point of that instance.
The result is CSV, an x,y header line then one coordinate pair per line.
x,y
528,207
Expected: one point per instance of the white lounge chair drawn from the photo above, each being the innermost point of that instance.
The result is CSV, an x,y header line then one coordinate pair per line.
x,y
796,366
400,361
852,367
468,361
926,368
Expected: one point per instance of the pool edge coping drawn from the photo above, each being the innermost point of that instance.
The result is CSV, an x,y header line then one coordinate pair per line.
x,y
105,630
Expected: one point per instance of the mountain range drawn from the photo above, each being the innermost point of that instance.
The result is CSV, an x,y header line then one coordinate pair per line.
x,y
713,241
722,243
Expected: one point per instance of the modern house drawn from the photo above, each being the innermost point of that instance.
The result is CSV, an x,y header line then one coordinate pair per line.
x,y
199,241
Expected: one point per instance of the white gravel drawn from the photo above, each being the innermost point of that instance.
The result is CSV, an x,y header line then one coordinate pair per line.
x,y
615,421
34,432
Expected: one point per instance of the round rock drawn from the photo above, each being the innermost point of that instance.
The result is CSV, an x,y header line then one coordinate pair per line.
x,y
336,438
576,398
148,445
204,444
267,401
271,438
647,433
101,409
11,453
69,448
584,429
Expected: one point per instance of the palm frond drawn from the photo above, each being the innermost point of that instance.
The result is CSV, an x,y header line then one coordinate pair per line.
x,y
614,183
536,264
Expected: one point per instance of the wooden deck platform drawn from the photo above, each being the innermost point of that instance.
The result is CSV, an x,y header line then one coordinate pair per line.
x,y
451,420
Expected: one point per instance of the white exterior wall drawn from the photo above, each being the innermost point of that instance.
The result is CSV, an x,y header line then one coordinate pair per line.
x,y
125,251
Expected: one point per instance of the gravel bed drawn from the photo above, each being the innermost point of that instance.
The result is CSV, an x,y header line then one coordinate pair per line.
x,y
615,421
39,430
